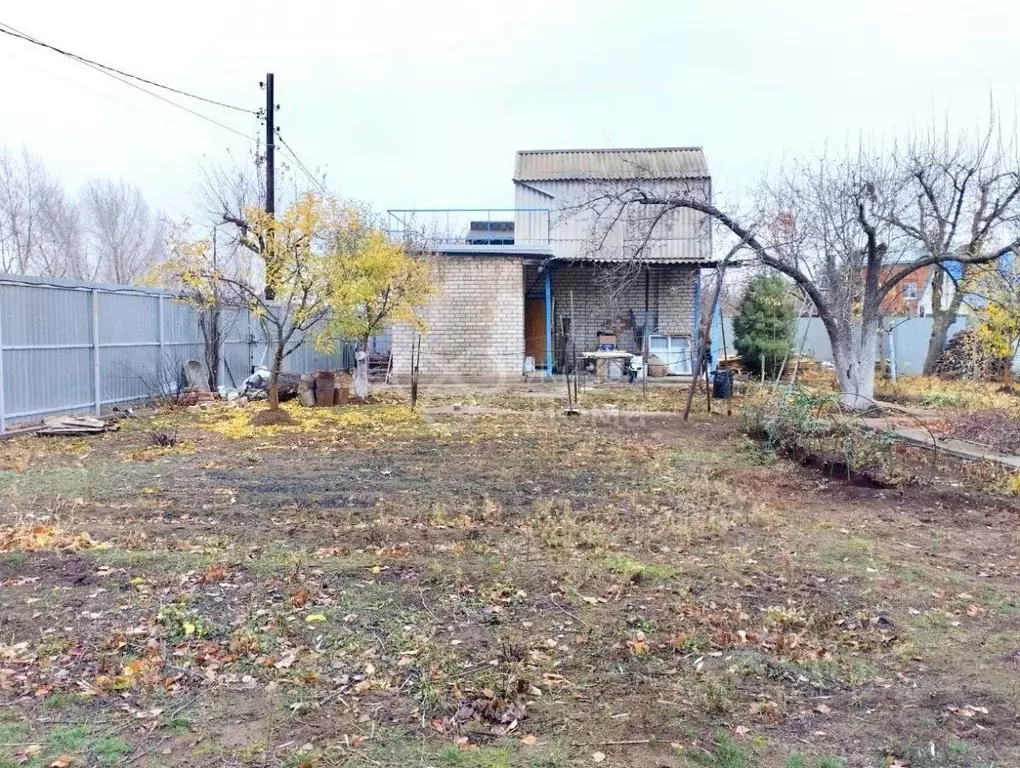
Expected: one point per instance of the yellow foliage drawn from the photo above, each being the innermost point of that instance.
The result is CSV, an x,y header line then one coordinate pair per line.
x,y
376,282
998,284
388,419
32,538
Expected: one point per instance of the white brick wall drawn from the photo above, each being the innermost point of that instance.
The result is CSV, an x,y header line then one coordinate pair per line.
x,y
475,323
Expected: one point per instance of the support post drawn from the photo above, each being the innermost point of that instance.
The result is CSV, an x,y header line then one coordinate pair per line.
x,y
270,147
270,292
892,354
96,394
696,325
161,367
548,321
3,404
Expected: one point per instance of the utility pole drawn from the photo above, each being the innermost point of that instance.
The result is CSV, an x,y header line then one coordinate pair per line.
x,y
270,162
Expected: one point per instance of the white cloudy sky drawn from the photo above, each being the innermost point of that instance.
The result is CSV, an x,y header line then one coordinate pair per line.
x,y
423,104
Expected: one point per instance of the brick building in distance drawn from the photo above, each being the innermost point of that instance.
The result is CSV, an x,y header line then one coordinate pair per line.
x,y
912,296
521,288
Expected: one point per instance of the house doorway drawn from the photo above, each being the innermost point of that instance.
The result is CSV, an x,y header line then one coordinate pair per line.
x,y
534,330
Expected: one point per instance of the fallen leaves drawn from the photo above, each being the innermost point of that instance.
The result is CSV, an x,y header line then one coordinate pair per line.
x,y
968,711
33,538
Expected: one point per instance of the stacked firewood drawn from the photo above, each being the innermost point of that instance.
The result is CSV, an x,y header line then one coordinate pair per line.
x,y
967,357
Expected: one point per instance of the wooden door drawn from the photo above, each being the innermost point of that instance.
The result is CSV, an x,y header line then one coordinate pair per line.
x,y
534,330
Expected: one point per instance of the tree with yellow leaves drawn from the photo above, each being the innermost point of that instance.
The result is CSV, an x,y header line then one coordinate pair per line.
x,y
377,282
286,286
996,292
322,270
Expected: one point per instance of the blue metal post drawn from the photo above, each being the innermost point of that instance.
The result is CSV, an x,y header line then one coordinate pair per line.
x,y
696,330
548,321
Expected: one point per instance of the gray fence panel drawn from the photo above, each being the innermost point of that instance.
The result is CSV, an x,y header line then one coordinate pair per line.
x,y
910,340
125,318
37,381
55,359
129,373
33,316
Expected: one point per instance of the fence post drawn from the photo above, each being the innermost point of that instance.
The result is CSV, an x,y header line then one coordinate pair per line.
x,y
3,404
159,331
95,352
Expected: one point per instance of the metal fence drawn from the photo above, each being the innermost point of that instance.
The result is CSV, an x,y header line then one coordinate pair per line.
x,y
68,347
907,344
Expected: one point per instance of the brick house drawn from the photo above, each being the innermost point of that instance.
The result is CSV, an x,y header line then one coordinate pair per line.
x,y
912,296
522,293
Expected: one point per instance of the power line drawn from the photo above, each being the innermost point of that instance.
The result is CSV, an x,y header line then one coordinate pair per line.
x,y
7,29
110,72
174,103
302,166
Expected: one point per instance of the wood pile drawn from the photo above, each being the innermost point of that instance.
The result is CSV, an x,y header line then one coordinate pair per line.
x,y
78,425
967,357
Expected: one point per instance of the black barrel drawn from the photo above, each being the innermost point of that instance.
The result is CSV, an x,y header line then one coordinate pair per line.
x,y
722,384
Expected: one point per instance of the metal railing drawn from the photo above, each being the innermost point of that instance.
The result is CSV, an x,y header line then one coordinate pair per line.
x,y
466,226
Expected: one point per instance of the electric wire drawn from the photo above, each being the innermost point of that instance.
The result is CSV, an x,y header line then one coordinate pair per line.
x,y
290,150
7,29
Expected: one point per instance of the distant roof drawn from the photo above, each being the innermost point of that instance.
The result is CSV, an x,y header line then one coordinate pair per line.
x,y
581,164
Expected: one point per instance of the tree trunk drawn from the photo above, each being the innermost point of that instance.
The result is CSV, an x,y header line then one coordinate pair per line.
x,y
361,369
274,378
942,319
210,322
854,351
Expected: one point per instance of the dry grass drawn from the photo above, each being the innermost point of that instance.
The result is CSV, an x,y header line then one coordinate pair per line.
x,y
373,587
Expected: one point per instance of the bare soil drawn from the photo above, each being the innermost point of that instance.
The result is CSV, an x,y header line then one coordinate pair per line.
x,y
496,589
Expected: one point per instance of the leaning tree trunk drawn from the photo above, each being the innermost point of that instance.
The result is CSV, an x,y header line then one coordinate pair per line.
x,y
854,352
942,320
361,369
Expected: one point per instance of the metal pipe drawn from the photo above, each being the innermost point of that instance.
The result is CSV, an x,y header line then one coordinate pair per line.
x,y
24,347
548,321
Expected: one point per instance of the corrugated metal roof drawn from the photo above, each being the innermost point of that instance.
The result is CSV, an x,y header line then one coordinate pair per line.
x,y
558,165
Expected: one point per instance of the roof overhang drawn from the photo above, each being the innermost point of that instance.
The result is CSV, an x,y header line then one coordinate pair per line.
x,y
496,251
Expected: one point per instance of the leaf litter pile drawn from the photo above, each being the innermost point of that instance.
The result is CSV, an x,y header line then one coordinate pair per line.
x,y
377,587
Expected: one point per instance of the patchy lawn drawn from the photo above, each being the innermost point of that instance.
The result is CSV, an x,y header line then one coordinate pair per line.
x,y
378,588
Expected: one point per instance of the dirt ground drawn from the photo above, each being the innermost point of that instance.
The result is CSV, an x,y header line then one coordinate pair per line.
x,y
512,587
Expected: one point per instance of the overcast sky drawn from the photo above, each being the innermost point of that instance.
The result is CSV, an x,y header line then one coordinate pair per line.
x,y
423,104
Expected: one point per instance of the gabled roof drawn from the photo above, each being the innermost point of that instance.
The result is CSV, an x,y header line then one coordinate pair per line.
x,y
611,164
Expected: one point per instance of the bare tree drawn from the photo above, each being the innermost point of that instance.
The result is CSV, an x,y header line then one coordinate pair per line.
x,y
955,197
826,225
61,250
27,194
126,237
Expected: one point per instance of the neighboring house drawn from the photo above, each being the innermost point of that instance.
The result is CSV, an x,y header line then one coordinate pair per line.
x,y
912,296
528,292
